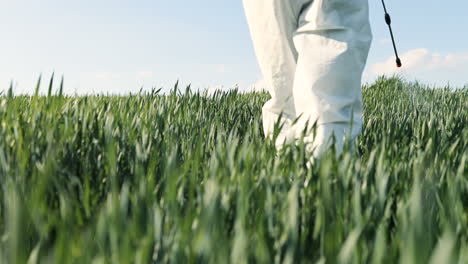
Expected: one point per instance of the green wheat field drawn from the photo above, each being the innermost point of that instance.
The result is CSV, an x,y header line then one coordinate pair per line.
x,y
184,177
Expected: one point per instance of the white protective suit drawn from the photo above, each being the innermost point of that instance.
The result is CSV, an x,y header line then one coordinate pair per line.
x,y
312,54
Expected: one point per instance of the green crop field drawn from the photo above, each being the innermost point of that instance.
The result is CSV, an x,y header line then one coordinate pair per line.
x,y
188,178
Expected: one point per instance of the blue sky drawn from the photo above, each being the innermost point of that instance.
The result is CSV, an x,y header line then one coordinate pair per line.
x,y
120,46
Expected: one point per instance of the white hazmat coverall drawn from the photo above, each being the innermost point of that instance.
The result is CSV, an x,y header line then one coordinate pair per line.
x,y
312,54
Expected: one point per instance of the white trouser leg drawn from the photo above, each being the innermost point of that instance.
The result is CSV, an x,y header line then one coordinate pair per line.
x,y
333,40
312,54
272,25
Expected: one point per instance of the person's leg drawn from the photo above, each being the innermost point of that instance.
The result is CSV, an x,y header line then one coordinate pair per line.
x,y
332,40
272,25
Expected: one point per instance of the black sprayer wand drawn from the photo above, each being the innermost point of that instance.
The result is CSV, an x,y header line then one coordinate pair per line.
x,y
388,20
